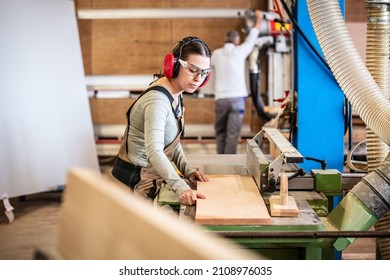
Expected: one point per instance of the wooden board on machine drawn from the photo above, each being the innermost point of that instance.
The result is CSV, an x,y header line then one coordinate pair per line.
x,y
231,200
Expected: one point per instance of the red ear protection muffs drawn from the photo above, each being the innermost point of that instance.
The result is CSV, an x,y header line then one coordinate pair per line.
x,y
171,63
206,79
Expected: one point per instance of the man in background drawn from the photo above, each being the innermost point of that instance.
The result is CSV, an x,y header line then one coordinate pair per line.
x,y
228,65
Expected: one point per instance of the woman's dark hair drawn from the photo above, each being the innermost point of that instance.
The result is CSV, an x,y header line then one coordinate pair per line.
x,y
190,45
183,49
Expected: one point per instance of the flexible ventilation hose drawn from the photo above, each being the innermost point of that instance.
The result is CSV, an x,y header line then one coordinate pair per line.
x,y
360,88
348,68
377,62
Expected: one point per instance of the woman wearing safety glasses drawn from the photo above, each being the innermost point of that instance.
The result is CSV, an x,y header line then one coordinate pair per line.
x,y
151,154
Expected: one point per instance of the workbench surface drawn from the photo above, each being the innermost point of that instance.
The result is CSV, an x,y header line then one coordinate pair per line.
x,y
306,220
236,164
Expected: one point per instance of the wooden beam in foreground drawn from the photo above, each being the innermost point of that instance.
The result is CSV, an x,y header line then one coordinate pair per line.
x,y
101,220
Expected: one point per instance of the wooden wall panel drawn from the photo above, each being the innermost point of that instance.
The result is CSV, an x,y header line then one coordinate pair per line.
x,y
85,31
201,111
355,11
83,3
211,3
129,46
131,4
114,4
126,46
112,47
211,31
111,111
256,4
139,46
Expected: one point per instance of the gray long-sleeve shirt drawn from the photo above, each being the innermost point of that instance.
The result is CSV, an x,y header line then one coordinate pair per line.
x,y
152,127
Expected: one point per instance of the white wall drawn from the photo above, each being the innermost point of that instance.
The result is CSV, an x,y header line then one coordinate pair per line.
x,y
45,120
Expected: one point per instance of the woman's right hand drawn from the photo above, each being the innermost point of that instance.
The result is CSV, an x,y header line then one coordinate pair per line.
x,y
190,196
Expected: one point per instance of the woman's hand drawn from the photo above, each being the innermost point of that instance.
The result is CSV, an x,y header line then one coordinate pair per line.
x,y
190,196
197,176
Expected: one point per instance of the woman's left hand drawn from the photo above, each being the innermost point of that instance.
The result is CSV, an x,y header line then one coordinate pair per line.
x,y
197,176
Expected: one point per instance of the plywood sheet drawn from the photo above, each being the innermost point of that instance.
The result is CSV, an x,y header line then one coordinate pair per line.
x,y
231,200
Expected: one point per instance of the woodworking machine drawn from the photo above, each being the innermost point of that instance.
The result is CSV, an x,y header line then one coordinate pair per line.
x,y
283,157
268,155
334,207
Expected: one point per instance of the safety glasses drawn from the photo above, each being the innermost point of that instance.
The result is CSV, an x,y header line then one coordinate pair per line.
x,y
194,70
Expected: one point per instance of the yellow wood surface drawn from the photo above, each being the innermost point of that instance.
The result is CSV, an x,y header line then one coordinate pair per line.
x,y
231,200
101,220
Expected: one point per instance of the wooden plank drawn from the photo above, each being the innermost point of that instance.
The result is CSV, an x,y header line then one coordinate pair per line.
x,y
287,209
230,200
283,204
307,218
101,220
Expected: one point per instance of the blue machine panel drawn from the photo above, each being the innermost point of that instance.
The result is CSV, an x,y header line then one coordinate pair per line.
x,y
320,114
